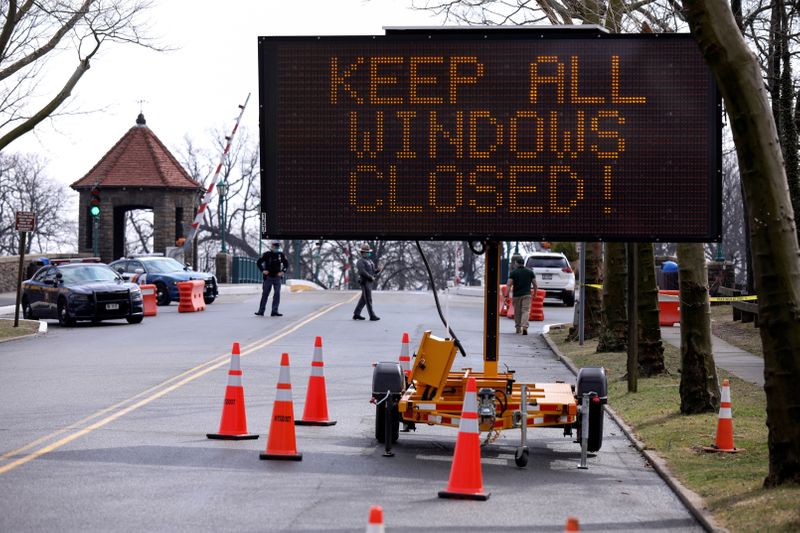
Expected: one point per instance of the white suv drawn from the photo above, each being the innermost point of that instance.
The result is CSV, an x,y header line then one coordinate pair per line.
x,y
554,275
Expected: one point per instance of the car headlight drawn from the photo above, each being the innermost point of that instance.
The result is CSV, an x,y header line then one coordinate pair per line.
x,y
80,298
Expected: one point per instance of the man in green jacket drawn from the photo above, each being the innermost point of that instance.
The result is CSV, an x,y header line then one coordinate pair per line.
x,y
520,282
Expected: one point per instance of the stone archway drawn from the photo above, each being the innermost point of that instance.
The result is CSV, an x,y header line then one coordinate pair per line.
x,y
138,172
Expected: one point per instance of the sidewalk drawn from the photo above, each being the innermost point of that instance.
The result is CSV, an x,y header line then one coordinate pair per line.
x,y
738,362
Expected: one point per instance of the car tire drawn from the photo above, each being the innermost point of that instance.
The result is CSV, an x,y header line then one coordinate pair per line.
x,y
135,319
64,318
162,294
27,310
569,299
209,299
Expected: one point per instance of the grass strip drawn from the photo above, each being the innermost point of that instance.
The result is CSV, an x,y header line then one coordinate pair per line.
x,y
730,484
26,327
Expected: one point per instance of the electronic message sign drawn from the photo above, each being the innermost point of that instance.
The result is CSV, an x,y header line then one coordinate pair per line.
x,y
498,136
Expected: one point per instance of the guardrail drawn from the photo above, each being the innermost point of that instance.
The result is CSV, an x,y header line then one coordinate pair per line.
x,y
245,270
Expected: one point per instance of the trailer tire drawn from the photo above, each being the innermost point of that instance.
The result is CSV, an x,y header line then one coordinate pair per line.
x,y
380,424
593,379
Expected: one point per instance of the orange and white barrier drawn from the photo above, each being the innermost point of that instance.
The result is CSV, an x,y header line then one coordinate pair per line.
x,y
281,443
466,480
669,309
233,424
375,524
315,412
191,296
537,305
724,440
149,300
502,300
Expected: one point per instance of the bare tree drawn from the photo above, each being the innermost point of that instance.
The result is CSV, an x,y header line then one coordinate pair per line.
x,y
138,231
773,233
36,32
25,187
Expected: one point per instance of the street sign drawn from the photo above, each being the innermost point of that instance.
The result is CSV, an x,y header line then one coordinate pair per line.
x,y
523,135
25,221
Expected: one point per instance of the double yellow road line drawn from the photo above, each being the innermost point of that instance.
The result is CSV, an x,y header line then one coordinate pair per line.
x,y
109,414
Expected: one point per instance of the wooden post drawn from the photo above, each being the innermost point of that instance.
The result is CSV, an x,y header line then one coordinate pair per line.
x,y
633,318
22,236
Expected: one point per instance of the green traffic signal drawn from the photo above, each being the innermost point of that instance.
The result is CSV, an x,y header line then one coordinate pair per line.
x,y
94,210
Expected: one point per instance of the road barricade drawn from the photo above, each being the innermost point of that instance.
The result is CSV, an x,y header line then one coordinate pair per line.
x,y
149,300
191,296
502,300
669,311
537,305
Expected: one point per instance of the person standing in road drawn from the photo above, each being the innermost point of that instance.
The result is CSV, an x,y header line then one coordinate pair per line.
x,y
520,282
272,265
367,271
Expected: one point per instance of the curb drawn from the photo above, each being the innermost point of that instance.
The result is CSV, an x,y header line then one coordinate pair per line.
x,y
690,499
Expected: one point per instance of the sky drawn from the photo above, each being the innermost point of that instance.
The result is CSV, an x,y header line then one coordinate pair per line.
x,y
198,86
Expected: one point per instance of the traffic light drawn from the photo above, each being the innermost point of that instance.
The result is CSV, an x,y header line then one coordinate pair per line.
x,y
94,202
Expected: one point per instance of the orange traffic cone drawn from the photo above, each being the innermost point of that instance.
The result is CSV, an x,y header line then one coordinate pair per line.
x,y
572,524
281,443
724,442
233,425
466,481
375,524
315,412
405,359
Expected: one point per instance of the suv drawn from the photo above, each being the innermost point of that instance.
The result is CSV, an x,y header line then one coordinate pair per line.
x,y
164,273
554,275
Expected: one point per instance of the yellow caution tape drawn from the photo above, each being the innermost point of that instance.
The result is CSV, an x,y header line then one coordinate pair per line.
x,y
750,297
732,298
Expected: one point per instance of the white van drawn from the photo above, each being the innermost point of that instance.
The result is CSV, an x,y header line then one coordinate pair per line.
x,y
554,275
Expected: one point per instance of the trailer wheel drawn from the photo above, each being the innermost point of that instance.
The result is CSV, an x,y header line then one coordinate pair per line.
x,y
380,424
592,379
521,456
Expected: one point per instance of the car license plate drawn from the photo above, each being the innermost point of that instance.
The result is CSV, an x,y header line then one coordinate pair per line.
x,y
547,276
112,306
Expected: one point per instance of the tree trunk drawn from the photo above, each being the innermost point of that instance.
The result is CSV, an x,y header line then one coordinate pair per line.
x,y
614,322
699,387
651,350
772,227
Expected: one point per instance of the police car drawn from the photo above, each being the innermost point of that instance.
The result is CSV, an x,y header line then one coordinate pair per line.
x,y
81,290
164,273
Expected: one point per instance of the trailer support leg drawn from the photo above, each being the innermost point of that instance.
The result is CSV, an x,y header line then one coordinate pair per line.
x,y
387,427
584,429
521,455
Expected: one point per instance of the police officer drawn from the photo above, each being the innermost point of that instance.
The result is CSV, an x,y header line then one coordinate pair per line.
x,y
366,277
520,282
272,265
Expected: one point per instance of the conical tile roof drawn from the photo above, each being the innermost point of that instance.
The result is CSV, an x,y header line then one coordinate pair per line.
x,y
139,159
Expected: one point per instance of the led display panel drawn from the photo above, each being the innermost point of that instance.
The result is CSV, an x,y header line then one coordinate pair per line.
x,y
514,136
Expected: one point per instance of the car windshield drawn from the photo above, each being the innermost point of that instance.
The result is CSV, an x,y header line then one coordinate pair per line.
x,y
546,262
164,265
85,273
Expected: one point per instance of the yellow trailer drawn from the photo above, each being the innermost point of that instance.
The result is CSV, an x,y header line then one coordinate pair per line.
x,y
433,394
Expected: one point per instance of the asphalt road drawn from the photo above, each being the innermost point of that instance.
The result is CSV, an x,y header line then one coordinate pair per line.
x,y
102,428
